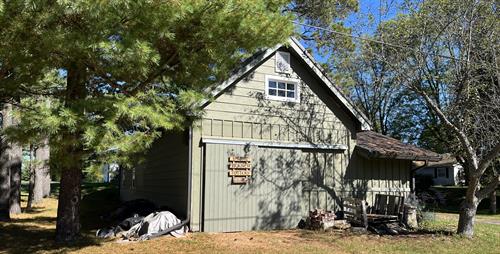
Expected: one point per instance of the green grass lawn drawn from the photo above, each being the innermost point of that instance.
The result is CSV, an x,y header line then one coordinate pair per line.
x,y
33,232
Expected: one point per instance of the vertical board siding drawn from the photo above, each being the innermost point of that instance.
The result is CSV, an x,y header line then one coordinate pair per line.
x,y
278,194
162,178
286,183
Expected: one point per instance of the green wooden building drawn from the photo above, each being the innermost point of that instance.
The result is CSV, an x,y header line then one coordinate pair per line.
x,y
278,140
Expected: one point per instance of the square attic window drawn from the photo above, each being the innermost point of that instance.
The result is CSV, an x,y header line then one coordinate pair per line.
x,y
282,89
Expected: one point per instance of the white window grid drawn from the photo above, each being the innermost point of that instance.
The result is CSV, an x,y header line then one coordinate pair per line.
x,y
282,89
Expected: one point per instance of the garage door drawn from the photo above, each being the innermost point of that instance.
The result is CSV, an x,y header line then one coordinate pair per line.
x,y
285,184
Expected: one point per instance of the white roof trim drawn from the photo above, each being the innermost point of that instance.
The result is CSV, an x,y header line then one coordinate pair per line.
x,y
309,60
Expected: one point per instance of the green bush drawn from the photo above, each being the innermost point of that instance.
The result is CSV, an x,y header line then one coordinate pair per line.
x,y
423,182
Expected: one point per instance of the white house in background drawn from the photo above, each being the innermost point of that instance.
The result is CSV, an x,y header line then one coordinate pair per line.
x,y
444,172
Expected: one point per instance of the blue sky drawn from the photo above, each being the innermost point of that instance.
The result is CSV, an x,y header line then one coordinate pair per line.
x,y
380,10
370,14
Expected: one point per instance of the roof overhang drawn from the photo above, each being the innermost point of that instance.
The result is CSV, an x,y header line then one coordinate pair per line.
x,y
374,145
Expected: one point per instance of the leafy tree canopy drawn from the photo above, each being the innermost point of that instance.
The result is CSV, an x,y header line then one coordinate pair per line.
x,y
144,65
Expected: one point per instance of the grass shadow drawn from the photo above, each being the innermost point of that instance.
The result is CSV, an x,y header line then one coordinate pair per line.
x,y
22,239
34,230
33,210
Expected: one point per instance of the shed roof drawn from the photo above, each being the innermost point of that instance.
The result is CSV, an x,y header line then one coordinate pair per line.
x,y
376,145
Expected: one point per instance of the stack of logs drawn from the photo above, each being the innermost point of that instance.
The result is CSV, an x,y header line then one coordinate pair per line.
x,y
321,219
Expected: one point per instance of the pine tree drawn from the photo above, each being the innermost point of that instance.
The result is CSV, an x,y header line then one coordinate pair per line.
x,y
103,79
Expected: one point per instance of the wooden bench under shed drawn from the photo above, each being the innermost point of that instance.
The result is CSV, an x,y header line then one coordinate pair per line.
x,y
387,208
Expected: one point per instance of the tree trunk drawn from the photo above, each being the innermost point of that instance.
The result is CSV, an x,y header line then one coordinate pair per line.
x,y
493,202
31,184
468,210
4,182
15,179
43,155
40,173
5,165
68,210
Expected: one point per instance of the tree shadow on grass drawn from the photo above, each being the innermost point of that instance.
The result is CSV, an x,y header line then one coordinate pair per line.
x,y
36,233
345,234
33,210
37,220
18,238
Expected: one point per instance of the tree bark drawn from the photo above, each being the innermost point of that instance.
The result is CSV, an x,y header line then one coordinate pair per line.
x,y
15,179
493,202
43,155
4,182
41,173
467,218
6,164
68,210
468,209
31,184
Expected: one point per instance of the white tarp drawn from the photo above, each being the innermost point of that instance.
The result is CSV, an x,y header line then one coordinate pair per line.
x,y
155,223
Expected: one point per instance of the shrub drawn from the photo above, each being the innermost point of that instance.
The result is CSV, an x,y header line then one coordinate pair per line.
x,y
423,182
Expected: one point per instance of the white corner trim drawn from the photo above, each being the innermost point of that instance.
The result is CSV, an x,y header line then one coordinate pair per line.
x,y
295,81
275,144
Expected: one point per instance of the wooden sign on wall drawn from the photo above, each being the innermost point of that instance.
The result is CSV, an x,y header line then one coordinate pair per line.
x,y
240,169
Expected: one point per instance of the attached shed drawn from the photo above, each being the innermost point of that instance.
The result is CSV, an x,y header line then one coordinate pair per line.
x,y
278,139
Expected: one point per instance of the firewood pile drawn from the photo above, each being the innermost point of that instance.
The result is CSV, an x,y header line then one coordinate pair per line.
x,y
323,220
319,219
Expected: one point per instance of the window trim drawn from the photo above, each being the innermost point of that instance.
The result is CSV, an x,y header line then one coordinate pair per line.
x,y
294,81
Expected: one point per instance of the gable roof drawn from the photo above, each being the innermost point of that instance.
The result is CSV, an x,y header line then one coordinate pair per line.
x,y
294,46
376,145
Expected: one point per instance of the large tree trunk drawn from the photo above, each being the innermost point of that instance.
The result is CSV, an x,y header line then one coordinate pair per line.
x,y
468,210
7,154
15,179
4,182
493,202
467,217
42,173
43,154
31,184
68,210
